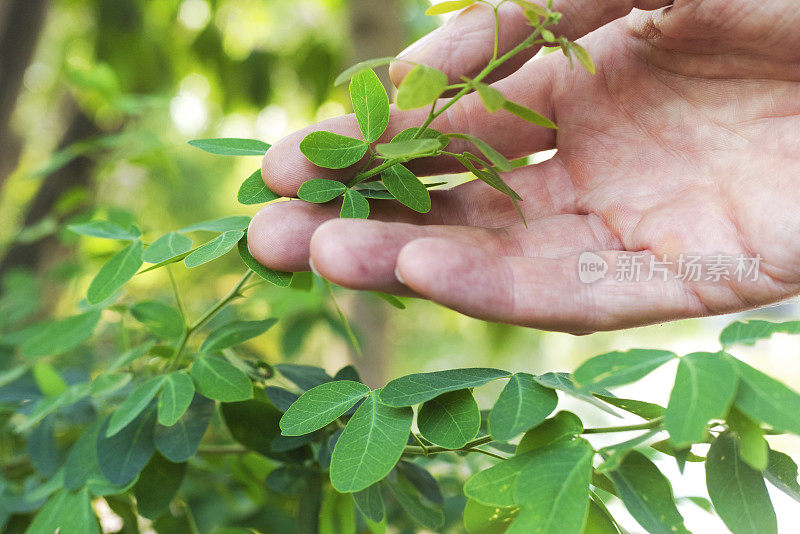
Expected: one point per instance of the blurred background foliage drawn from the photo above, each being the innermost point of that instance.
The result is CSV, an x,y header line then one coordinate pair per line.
x,y
97,101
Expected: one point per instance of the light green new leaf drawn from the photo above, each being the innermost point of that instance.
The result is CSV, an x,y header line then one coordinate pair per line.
x,y
320,406
279,278
370,104
408,149
66,513
175,398
122,456
523,404
448,6
106,230
450,420
319,190
705,385
407,188
748,332
167,247
647,495
495,157
113,275
61,335
337,515
529,115
134,404
354,205
492,99
563,426
753,448
235,333
370,445
619,368
421,87
225,224
219,380
231,146
430,517
332,151
157,486
738,491
355,69
161,319
497,486
214,249
766,400
782,473
481,519
254,191
420,387
48,379
553,489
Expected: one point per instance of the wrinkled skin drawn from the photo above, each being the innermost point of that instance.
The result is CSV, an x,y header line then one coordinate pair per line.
x,y
686,141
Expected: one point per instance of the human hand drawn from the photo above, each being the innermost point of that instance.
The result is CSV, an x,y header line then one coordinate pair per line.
x,y
685,142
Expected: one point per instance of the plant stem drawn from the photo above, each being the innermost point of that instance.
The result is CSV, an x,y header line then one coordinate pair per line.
x,y
488,453
177,293
413,449
360,177
653,423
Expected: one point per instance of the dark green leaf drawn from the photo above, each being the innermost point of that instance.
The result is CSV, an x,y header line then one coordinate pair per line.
x,y
81,463
370,445
370,503
614,454
231,146
487,175
180,441
523,404
304,376
450,420
481,519
370,104
748,332
645,410
225,224
134,404
235,333
619,368
391,299
599,520
495,157
157,486
254,191
319,191
41,448
106,230
421,87
765,399
129,356
279,278
161,319
59,336
420,387
280,397
214,249
737,490
782,473
412,148
354,205
355,69
422,480
66,513
219,380
563,382
167,247
124,454
332,151
406,494
407,188
528,115
113,275
562,426
321,405
175,398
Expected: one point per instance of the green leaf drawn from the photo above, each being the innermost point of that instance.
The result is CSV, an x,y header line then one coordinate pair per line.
x,y
66,513
370,445
391,299
280,397
705,385
583,56
161,319
138,400
337,515
235,333
748,332
175,398
332,151
492,99
319,190
180,441
428,516
497,486
753,448
129,356
420,387
599,520
279,278
254,191
410,134
782,473
421,87
529,115
614,454
354,205
348,74
157,486
167,247
495,157
57,337
48,379
450,420
81,463
122,455
487,175
647,495
304,376
113,275
645,410
370,104
563,426
422,480
225,224
231,146
217,379
320,406
370,503
619,368
553,489
106,230
448,6
481,519
738,491
765,399
563,382
412,148
407,188
214,249
522,404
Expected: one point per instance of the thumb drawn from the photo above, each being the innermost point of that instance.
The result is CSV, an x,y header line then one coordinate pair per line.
x,y
464,44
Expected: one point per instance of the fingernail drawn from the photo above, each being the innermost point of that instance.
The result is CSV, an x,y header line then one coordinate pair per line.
x,y
399,278
314,269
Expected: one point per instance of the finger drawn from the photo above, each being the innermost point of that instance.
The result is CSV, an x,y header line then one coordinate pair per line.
x,y
542,293
465,43
363,254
